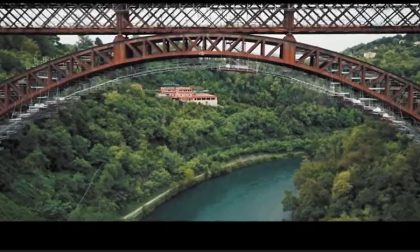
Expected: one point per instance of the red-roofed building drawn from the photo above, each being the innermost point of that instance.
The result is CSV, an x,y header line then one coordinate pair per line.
x,y
186,94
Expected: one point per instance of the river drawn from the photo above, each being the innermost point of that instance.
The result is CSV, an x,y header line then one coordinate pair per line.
x,y
252,193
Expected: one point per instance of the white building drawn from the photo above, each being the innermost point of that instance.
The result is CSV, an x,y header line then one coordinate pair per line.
x,y
369,55
206,99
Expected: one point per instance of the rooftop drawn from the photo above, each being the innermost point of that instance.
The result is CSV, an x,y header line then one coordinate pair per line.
x,y
203,95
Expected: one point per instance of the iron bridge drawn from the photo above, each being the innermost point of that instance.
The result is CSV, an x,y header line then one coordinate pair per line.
x,y
124,18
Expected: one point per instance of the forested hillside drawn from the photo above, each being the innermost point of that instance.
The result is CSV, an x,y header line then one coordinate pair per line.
x,y
138,145
369,172
399,54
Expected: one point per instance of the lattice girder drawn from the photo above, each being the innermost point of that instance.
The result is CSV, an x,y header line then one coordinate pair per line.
x,y
45,18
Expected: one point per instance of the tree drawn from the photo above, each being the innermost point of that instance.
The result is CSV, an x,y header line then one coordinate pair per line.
x,y
10,211
30,46
98,41
341,184
47,44
59,148
37,159
84,42
9,62
99,155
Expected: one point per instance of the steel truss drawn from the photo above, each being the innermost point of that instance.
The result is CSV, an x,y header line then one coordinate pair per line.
x,y
90,18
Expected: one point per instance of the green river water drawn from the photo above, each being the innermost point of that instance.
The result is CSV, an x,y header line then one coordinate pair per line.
x,y
252,193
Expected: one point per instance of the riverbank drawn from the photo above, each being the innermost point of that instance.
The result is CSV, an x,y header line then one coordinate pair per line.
x,y
227,167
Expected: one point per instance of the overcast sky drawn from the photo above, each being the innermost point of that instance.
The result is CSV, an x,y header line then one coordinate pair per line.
x,y
334,42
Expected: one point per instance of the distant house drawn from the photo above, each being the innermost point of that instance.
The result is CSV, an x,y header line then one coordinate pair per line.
x,y
369,55
417,43
187,94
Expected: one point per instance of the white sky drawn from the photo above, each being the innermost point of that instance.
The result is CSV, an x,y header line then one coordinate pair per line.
x,y
334,42
339,42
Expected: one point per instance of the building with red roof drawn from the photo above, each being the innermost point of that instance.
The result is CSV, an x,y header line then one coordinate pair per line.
x,y
187,94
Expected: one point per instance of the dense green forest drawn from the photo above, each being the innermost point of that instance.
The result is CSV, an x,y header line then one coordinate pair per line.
x,y
139,145
398,54
368,172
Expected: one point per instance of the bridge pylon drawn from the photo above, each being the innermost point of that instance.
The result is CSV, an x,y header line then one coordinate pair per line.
x,y
119,49
289,48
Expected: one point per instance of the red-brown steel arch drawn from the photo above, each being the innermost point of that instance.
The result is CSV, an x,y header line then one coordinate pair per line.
x,y
399,93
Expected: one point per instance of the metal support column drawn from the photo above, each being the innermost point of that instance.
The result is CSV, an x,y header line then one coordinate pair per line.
x,y
289,49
